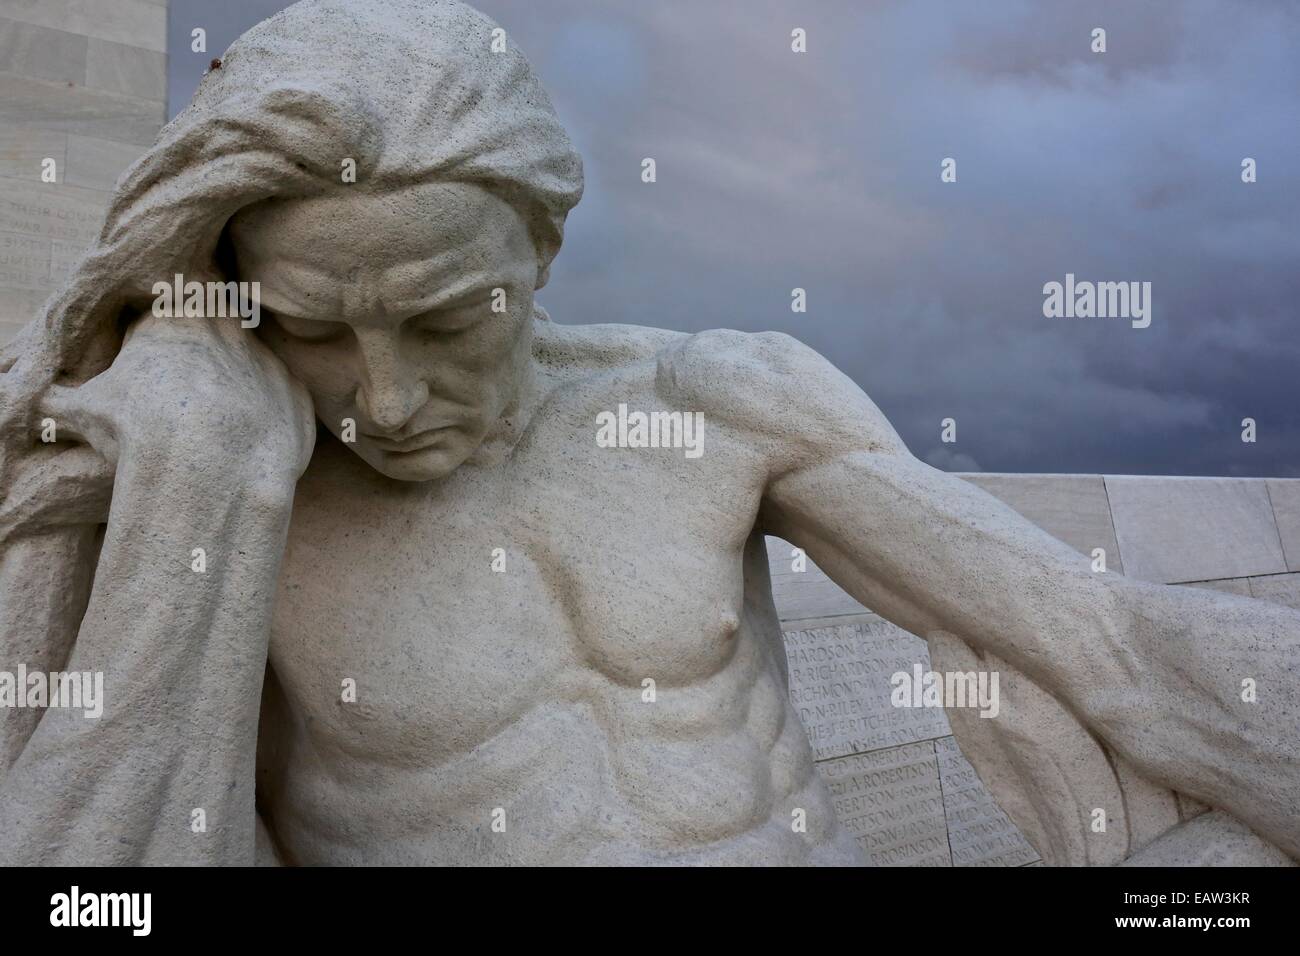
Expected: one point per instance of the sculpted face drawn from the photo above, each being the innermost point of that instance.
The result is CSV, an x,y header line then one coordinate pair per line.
x,y
382,305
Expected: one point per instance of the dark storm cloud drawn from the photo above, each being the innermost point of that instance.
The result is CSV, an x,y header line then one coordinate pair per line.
x,y
821,171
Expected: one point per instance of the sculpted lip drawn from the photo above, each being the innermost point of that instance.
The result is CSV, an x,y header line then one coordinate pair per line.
x,y
416,442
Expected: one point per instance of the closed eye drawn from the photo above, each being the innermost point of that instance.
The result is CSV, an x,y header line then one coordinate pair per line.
x,y
309,330
451,321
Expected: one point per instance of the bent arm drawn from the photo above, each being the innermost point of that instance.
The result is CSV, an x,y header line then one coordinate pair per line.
x,y
50,507
202,436
44,584
1155,671
182,654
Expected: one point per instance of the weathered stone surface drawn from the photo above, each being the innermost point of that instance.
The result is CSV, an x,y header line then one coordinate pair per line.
x,y
23,150
120,68
48,105
1173,530
1073,508
1054,502
808,593
892,803
1281,589
839,686
1284,495
979,833
136,22
41,52
1210,839
1227,586
615,691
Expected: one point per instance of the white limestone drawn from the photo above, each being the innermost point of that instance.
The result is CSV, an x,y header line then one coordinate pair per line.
x,y
370,591
1196,529
1073,508
1284,497
78,86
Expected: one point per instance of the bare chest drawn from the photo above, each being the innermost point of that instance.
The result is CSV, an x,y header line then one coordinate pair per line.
x,y
426,618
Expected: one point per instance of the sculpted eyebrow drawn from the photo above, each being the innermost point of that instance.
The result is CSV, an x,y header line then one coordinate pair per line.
x,y
292,282
455,299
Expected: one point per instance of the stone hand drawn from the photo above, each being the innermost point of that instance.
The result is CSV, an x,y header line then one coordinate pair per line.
x,y
195,394
206,434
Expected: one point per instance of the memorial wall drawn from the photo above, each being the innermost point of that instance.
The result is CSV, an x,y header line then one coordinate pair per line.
x,y
83,87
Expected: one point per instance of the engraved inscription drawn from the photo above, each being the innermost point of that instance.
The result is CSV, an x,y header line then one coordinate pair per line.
x,y
839,686
891,802
979,832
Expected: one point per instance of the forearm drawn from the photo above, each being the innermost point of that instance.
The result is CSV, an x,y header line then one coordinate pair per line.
x,y
1156,671
183,654
931,552
44,584
52,502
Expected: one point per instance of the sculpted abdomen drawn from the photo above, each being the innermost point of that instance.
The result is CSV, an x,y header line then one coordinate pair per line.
x,y
609,709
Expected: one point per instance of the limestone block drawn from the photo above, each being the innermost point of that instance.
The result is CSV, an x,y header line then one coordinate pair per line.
x,y
97,163
41,52
120,68
979,833
1278,588
8,330
24,261
839,686
137,22
44,104
1172,530
51,211
1073,508
20,306
805,594
23,149
1226,585
1284,494
892,803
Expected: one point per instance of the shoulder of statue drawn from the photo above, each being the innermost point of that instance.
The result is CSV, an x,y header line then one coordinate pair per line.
x,y
773,387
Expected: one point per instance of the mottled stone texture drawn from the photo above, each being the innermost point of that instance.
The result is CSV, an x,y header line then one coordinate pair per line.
x,y
841,657
82,82
375,584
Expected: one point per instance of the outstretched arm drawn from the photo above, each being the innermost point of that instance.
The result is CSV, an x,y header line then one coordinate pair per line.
x,y
1155,671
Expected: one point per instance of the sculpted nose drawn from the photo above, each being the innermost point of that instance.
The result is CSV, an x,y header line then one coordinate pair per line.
x,y
391,390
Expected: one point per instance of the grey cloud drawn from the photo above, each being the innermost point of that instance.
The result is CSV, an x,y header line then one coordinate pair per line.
x,y
821,170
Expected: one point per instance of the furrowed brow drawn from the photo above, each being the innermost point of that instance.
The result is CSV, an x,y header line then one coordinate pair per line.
x,y
462,292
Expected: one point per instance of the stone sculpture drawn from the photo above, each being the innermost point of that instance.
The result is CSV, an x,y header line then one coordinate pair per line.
x,y
511,605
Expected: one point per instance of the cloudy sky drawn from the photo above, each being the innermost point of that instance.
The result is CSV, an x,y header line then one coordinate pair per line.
x,y
821,170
